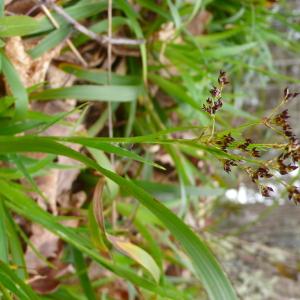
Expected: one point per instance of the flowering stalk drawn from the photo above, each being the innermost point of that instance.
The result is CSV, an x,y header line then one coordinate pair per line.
x,y
285,162
215,102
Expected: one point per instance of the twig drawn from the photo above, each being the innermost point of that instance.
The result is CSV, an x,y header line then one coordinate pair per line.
x,y
109,62
110,119
68,41
99,38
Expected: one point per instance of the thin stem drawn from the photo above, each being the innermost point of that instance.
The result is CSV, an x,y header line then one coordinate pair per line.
x,y
110,117
275,109
213,128
109,63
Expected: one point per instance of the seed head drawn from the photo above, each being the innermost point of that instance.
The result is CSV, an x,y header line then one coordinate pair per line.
x,y
223,80
215,92
228,163
287,95
294,194
265,190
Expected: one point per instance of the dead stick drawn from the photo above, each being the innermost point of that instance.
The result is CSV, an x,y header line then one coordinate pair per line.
x,y
79,27
69,42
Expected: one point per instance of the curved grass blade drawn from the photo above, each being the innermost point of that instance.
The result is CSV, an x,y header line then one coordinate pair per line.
x,y
50,41
17,26
97,76
118,93
20,203
13,283
137,254
16,86
126,247
80,266
206,266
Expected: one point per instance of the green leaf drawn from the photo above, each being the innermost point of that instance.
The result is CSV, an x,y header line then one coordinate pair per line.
x,y
13,283
18,90
3,234
218,36
132,17
81,270
10,127
206,266
2,4
99,77
220,52
175,91
17,26
91,92
136,253
50,41
15,246
116,150
20,203
171,191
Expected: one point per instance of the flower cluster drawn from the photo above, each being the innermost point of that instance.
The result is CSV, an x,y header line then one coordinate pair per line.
x,y
255,152
244,146
281,121
294,194
225,141
286,161
222,79
261,172
283,167
287,95
214,103
228,163
265,190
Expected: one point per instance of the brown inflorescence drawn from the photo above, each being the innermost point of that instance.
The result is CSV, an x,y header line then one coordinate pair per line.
x,y
215,102
285,168
265,190
222,79
245,145
294,194
225,141
285,163
261,172
255,152
281,121
228,163
287,95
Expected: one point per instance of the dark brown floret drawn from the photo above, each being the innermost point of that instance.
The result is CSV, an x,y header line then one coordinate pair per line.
x,y
265,190
286,168
287,95
215,92
222,80
255,152
215,103
281,120
228,163
218,104
295,154
294,194
245,145
262,172
225,141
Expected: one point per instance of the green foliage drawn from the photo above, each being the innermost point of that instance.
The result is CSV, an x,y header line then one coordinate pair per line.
x,y
160,102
